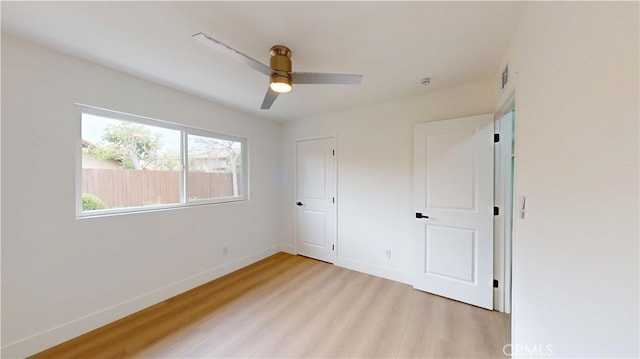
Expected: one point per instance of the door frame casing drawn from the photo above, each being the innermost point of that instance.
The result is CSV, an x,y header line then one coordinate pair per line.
x,y
503,231
333,136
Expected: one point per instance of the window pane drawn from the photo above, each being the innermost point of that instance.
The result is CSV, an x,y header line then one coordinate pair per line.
x,y
214,169
127,164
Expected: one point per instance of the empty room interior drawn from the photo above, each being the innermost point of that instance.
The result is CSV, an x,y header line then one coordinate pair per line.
x,y
305,179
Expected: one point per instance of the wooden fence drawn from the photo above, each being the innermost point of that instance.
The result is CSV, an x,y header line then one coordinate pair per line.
x,y
129,188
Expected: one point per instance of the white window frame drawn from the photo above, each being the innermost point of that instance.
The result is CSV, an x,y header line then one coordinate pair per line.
x,y
184,132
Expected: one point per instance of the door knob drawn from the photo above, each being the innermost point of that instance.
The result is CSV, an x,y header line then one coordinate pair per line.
x,y
299,204
420,215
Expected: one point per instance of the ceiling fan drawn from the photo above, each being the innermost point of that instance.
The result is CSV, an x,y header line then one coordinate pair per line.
x,y
280,74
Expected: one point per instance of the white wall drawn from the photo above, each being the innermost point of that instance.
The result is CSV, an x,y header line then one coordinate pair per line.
x,y
375,174
575,264
63,276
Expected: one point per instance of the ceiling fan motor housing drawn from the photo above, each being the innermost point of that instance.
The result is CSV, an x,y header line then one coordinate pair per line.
x,y
280,63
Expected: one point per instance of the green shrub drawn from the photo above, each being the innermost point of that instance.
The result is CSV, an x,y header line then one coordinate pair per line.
x,y
91,202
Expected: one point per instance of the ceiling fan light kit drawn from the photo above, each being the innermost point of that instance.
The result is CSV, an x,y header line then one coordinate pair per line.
x,y
281,77
280,84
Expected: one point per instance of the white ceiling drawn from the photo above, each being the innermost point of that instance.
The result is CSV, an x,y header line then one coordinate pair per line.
x,y
393,44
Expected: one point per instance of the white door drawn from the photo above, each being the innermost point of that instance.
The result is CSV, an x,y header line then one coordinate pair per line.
x,y
453,201
315,198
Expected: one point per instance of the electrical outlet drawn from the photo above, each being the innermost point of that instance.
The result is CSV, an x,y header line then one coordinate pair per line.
x,y
387,253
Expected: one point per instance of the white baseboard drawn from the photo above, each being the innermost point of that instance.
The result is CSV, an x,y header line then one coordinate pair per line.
x,y
63,332
359,266
287,248
378,271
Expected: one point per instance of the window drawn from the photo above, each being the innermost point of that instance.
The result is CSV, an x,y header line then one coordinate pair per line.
x,y
131,163
213,167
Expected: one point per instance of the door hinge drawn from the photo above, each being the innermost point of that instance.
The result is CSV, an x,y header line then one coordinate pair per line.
x,y
495,283
333,247
333,200
496,211
333,152
496,137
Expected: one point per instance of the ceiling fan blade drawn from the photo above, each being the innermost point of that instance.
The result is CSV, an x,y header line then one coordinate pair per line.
x,y
231,52
268,99
323,78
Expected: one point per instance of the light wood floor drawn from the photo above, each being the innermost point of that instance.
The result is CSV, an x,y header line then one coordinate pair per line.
x,y
294,307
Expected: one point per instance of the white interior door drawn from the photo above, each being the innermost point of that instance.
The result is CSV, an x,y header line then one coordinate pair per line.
x,y
453,201
315,202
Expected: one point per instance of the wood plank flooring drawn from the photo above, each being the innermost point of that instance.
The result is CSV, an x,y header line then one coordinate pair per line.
x,y
289,306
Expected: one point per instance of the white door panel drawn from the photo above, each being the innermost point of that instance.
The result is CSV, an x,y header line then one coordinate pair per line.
x,y
315,198
450,180
457,245
314,228
453,187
